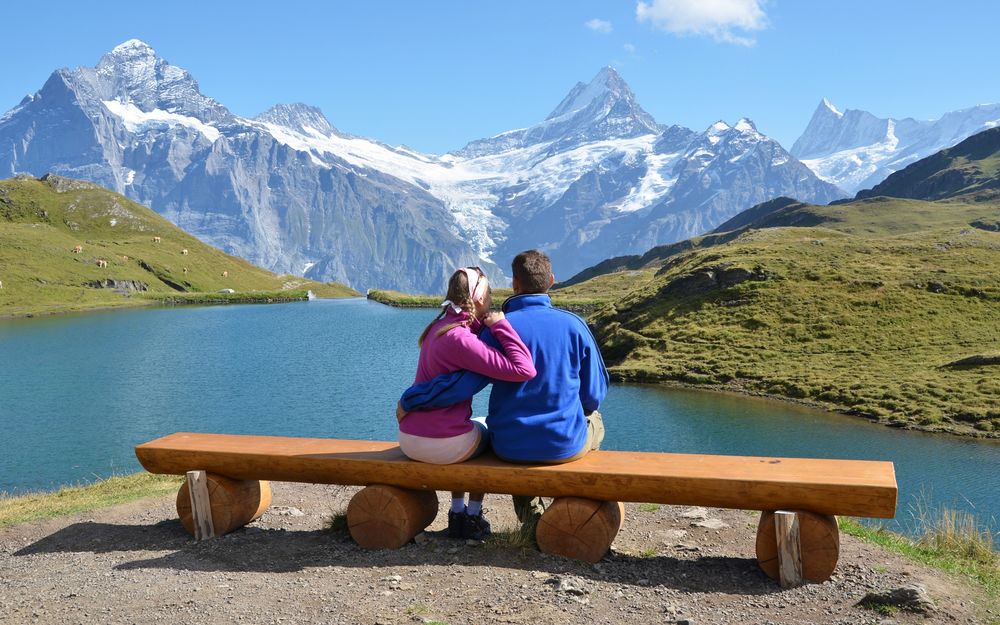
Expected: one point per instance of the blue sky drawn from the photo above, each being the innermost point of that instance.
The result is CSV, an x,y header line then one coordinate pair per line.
x,y
435,75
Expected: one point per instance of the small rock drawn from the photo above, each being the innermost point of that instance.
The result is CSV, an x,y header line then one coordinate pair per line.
x,y
695,513
422,538
391,579
712,524
675,534
453,550
569,585
687,547
286,511
912,597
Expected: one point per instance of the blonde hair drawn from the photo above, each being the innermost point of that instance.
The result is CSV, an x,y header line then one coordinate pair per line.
x,y
459,294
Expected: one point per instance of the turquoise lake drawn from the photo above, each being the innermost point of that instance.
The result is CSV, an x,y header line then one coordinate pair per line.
x,y
78,392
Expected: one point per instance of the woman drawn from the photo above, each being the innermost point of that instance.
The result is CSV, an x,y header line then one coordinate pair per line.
x,y
450,343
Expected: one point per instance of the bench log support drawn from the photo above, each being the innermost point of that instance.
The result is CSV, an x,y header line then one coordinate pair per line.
x,y
231,504
818,541
201,505
578,528
388,517
786,532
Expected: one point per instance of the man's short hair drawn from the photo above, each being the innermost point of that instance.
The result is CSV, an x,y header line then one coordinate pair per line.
x,y
533,271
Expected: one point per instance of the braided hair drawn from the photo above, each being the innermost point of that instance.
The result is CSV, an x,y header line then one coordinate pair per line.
x,y
458,295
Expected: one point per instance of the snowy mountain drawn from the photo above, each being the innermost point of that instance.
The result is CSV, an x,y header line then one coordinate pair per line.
x,y
289,191
856,150
141,127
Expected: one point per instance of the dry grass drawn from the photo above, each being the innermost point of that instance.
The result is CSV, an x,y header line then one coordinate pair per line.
x,y
74,499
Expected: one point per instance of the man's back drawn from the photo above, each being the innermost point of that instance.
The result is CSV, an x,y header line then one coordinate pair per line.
x,y
543,419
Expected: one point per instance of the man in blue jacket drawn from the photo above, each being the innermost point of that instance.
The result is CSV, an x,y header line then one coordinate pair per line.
x,y
551,418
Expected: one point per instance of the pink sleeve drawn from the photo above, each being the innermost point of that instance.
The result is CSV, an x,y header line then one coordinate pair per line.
x,y
472,354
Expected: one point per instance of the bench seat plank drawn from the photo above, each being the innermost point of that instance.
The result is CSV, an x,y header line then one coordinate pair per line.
x,y
846,487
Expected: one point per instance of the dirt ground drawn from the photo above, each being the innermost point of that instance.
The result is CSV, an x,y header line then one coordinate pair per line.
x,y
135,564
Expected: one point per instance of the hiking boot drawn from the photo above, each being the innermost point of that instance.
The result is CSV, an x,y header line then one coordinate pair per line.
x,y
477,527
456,524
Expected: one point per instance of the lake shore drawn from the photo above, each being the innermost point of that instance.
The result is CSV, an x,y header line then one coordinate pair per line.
x,y
734,388
133,562
172,299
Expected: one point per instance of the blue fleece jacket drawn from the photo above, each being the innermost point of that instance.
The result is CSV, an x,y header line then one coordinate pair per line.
x,y
543,418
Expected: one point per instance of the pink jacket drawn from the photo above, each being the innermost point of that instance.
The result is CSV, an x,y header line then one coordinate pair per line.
x,y
460,349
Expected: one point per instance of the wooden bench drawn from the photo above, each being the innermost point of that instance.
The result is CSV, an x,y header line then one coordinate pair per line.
x,y
399,500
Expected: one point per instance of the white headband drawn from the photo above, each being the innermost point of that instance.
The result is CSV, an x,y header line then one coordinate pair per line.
x,y
475,280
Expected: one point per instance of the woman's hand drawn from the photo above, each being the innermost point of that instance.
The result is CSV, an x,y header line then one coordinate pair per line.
x,y
492,317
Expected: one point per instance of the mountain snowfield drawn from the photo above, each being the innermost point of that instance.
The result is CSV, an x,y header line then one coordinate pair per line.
x,y
599,177
855,150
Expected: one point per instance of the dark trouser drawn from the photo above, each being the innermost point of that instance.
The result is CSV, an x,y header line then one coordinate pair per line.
x,y
529,509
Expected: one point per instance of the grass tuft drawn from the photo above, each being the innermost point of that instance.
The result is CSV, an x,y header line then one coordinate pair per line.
x,y
648,552
884,609
337,522
521,537
951,541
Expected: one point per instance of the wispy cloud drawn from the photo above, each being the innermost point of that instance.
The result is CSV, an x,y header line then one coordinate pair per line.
x,y
728,21
629,48
599,26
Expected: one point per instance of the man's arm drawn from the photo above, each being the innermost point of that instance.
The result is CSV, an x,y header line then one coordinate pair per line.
x,y
445,390
593,374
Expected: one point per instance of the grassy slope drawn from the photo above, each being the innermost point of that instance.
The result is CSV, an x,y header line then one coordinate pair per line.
x,y
844,319
39,228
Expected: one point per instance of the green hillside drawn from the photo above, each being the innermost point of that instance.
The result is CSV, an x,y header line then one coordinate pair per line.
x,y
970,168
42,221
883,307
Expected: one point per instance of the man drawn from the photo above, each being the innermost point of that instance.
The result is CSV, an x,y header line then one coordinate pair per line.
x,y
551,418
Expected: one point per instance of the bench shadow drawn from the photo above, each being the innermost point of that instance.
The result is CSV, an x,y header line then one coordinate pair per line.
x,y
92,537
266,550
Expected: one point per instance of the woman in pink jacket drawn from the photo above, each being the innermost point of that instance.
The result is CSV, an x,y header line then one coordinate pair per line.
x,y
450,343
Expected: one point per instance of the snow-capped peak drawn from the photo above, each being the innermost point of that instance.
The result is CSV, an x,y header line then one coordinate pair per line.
x,y
745,125
298,117
133,73
826,104
133,47
606,83
718,127
603,109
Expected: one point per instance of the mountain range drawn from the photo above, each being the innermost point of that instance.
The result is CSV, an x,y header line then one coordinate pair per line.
x,y
290,192
856,150
598,177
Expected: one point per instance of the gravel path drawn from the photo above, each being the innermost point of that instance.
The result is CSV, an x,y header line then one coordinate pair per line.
x,y
135,564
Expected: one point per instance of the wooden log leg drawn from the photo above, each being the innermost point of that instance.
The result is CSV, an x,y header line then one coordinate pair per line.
x,y
578,528
388,517
232,503
201,505
786,532
819,545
